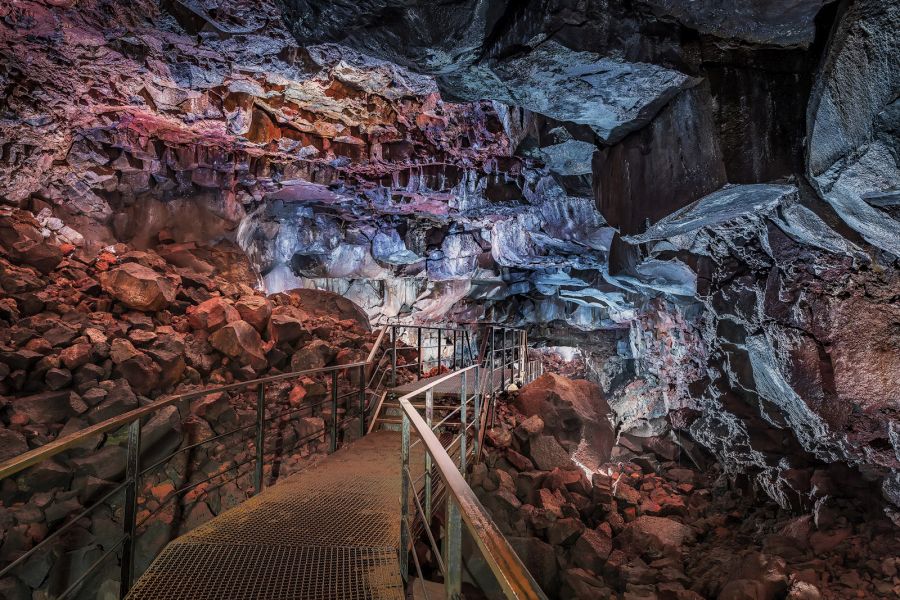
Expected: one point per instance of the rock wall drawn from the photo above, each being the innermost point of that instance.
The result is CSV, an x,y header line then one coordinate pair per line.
x,y
719,182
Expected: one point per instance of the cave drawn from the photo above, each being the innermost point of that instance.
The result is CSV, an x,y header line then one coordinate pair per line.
x,y
633,266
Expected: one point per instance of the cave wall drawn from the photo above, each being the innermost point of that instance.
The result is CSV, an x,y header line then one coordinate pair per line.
x,y
719,182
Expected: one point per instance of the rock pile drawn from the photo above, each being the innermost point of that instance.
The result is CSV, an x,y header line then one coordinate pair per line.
x,y
83,339
650,528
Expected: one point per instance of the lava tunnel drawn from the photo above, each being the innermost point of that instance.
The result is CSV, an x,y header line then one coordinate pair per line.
x,y
324,299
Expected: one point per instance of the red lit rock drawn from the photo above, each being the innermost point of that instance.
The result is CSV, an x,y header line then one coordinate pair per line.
x,y
139,287
241,341
212,314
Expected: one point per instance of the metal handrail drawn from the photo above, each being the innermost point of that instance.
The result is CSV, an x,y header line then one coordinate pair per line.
x,y
50,449
512,576
368,372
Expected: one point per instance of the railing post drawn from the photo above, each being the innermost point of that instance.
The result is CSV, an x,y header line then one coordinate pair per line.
x,y
334,406
419,346
133,475
260,437
453,551
463,409
477,412
440,333
429,415
454,349
393,356
503,360
404,498
362,400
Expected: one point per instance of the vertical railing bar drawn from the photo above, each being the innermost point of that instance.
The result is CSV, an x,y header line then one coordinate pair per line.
x,y
260,437
440,335
393,356
132,474
454,349
334,410
429,414
453,550
463,410
404,498
477,412
419,346
362,400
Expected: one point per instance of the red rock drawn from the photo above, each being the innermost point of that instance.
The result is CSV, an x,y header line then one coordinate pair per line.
x,y
256,310
531,426
547,454
212,314
826,541
43,408
315,355
520,462
591,550
499,437
76,356
241,341
560,479
572,411
286,326
298,393
162,491
141,372
564,532
550,501
626,494
655,536
680,475
139,287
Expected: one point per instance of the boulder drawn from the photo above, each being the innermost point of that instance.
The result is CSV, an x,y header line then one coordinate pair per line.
x,y
539,558
141,372
591,550
572,411
212,314
256,310
655,536
108,463
241,341
139,287
315,355
12,444
43,408
286,326
564,531
76,356
547,454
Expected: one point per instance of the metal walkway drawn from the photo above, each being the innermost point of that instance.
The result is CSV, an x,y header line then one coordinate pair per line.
x,y
329,532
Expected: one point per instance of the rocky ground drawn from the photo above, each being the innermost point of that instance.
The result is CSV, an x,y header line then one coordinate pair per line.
x,y
83,339
652,524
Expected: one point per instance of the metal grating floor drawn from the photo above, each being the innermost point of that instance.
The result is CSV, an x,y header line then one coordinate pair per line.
x,y
220,572
331,531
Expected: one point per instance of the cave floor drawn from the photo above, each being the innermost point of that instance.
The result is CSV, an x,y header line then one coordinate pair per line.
x,y
331,531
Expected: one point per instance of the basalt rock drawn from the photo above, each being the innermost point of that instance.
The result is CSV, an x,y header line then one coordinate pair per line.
x,y
573,411
138,287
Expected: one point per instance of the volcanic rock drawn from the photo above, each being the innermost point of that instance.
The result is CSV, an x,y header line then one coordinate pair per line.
x,y
212,315
139,287
240,340
573,411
